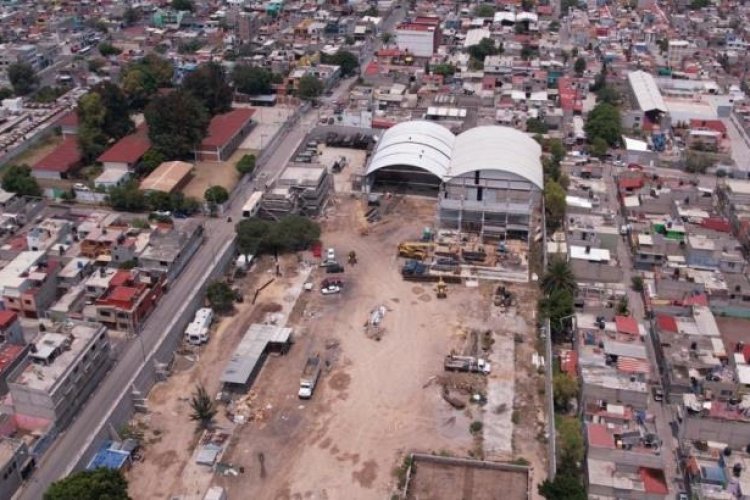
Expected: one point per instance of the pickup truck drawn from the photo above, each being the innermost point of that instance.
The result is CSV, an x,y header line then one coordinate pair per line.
x,y
454,363
309,377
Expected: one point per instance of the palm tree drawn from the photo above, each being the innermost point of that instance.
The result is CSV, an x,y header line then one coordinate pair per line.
x,y
559,276
203,407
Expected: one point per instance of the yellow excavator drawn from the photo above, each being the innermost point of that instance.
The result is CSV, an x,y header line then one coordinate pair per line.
x,y
415,250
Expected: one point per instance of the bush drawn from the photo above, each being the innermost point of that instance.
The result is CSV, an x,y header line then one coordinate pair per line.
x,y
476,427
220,296
246,164
637,283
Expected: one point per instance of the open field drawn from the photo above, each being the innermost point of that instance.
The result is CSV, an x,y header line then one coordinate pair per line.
x,y
214,173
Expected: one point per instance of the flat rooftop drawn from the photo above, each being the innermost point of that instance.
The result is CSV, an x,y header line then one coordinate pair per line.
x,y
45,377
8,447
442,478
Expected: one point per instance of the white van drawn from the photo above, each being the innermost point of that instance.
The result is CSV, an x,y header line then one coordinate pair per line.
x,y
197,332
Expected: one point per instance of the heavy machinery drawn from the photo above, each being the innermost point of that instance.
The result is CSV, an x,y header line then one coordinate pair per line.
x,y
471,364
441,289
414,249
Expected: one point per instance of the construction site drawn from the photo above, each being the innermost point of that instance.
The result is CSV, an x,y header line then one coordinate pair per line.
x,y
393,338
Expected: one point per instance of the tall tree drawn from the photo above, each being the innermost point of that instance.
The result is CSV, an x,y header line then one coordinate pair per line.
x,y
216,195
22,77
348,62
185,5
117,122
220,296
554,204
103,117
209,85
579,66
309,88
204,409
604,121
251,80
177,122
18,179
559,276
141,79
96,484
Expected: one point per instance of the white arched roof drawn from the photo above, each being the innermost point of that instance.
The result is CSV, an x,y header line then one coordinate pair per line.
x,y
421,144
497,148
434,148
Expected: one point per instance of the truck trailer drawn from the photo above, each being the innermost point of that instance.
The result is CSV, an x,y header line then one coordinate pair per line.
x,y
454,363
309,377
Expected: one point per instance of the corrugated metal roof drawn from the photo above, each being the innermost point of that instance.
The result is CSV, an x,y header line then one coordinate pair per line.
x,y
646,91
250,350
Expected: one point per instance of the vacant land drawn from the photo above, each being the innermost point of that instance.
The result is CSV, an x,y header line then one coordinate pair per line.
x,y
214,173
444,481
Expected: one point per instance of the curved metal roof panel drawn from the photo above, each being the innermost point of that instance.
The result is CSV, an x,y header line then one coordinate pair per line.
x,y
498,148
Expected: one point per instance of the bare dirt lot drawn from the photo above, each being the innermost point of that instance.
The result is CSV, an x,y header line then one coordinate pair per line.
x,y
447,482
214,173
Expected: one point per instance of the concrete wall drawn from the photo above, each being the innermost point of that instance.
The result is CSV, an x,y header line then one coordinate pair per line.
x,y
626,457
590,393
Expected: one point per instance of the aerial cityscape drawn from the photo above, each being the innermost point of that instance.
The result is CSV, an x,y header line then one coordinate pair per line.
x,y
374,249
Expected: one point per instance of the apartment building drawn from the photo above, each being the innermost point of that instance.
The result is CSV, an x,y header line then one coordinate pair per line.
x,y
65,365
29,283
16,464
128,299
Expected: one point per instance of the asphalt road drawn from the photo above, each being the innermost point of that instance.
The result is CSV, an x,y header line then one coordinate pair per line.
x,y
67,449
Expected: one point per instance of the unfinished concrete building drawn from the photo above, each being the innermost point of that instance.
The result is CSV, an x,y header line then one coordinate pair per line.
x,y
302,188
488,180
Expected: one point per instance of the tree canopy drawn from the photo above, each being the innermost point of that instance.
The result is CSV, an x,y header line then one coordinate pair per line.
x,y
579,66
604,121
346,60
246,164
484,10
22,78
99,484
203,407
220,296
185,5
209,85
291,233
558,276
309,88
216,195
251,80
485,47
141,79
103,117
18,179
177,123
565,388
554,204
106,49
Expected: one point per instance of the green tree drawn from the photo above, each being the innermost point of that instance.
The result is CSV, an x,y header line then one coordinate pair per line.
x,y
131,16
151,159
251,80
177,123
22,77
536,126
209,85
251,234
556,306
599,147
570,443
246,164
5,92
203,407
184,5
127,197
309,88
216,195
445,69
608,94
103,117
106,49
557,150
348,62
18,179
292,233
117,122
559,276
158,201
386,37
564,487
565,388
554,204
604,121
579,66
485,47
636,282
220,296
96,484
143,78
622,306
484,10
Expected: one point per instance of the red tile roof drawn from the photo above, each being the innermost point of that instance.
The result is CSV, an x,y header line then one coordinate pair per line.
x,y
715,125
666,323
123,294
719,224
599,436
7,318
224,126
8,354
627,324
69,119
120,278
129,149
696,300
654,481
631,182
372,69
63,158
